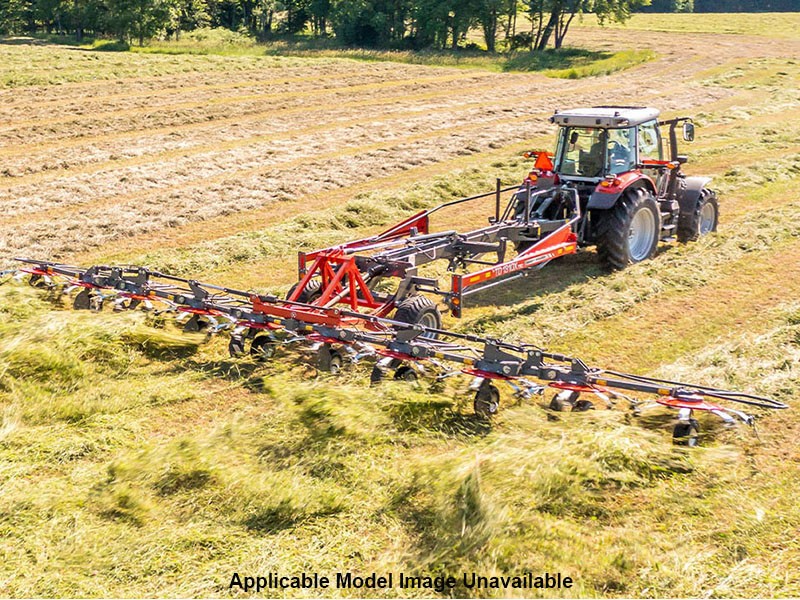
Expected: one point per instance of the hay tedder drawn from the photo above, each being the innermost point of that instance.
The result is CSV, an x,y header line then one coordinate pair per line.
x,y
372,297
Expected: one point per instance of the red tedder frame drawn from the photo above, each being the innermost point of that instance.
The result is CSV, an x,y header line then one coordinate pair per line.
x,y
561,242
345,270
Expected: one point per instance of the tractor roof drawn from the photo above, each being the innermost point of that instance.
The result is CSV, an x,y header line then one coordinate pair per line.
x,y
605,116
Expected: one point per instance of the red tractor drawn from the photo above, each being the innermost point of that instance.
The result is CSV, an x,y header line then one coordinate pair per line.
x,y
631,196
608,184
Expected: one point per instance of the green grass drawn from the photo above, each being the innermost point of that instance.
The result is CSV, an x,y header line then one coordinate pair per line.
x,y
772,25
576,63
568,63
347,476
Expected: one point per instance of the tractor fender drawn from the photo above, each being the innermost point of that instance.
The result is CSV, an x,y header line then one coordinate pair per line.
x,y
689,192
608,191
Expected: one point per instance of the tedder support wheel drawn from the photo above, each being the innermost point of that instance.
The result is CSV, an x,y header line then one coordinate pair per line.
x,y
419,310
312,292
405,373
686,434
37,281
236,346
381,367
564,400
487,400
194,324
329,359
83,300
703,220
629,232
261,348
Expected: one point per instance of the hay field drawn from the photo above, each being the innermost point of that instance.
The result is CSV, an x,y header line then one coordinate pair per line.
x,y
134,461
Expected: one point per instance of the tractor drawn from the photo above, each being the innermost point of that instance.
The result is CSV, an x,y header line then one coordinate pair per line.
x,y
631,196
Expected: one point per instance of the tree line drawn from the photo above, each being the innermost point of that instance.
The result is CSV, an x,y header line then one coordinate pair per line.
x,y
401,24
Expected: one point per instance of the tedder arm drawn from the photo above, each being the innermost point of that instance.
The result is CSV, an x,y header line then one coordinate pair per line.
x,y
337,332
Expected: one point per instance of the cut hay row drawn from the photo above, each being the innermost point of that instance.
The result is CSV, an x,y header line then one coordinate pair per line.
x,y
229,102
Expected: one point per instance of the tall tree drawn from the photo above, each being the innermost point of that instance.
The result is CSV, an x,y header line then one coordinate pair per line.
x,y
563,12
15,16
139,19
489,13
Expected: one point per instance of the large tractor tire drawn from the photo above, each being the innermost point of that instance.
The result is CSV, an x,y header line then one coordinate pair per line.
x,y
312,292
703,220
419,310
629,232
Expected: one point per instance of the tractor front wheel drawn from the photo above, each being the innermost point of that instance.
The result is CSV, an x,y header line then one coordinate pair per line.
x,y
628,233
702,220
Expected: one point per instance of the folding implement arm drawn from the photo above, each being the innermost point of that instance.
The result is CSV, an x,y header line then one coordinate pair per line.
x,y
485,359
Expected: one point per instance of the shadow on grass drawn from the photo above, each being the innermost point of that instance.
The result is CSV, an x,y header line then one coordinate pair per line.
x,y
41,39
563,58
229,369
553,278
440,415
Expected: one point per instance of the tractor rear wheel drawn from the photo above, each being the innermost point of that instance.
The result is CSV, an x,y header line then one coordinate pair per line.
x,y
703,220
629,232
419,310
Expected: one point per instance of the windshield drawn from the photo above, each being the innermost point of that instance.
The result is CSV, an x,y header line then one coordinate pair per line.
x,y
593,152
581,151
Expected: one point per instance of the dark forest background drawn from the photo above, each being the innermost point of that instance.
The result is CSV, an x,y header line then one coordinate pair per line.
x,y
392,24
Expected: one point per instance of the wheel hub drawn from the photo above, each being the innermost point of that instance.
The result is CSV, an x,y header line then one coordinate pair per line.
x,y
641,234
707,215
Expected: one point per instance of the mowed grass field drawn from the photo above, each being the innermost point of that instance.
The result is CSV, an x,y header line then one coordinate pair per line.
x,y
139,461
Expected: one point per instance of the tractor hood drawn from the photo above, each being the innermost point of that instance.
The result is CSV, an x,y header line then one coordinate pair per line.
x,y
605,116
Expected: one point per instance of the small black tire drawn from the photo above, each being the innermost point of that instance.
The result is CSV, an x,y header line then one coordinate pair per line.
x,y
562,402
376,376
686,434
487,401
336,364
329,360
194,324
379,372
405,373
311,292
83,300
262,347
236,346
419,310
617,244
703,220
582,406
37,281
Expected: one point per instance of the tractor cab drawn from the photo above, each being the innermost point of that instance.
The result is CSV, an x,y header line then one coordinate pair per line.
x,y
598,142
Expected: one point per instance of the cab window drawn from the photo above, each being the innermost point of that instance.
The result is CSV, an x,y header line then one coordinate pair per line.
x,y
621,150
649,142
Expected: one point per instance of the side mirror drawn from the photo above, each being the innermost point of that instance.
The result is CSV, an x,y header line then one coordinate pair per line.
x,y
573,139
688,131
